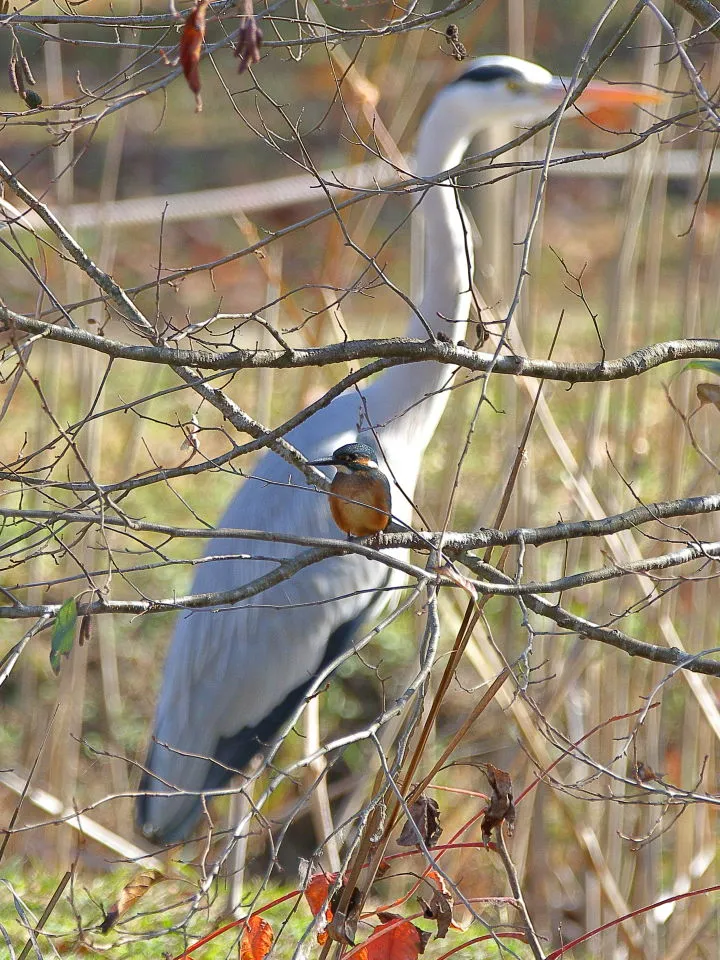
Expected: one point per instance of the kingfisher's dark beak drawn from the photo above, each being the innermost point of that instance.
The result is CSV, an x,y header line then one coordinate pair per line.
x,y
326,462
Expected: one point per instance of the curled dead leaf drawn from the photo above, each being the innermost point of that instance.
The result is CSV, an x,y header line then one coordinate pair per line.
x,y
343,926
440,905
191,42
449,572
191,431
249,41
425,814
501,808
644,773
15,77
85,634
129,895
708,393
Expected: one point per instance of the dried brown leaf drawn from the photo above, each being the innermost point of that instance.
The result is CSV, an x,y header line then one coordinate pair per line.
x,y
501,808
343,926
644,773
450,573
14,76
425,814
85,633
191,431
129,895
708,393
440,906
249,41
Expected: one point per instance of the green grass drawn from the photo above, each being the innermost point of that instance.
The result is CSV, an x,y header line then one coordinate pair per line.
x,y
157,924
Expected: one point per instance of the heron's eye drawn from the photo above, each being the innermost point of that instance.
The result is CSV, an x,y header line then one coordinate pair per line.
x,y
514,85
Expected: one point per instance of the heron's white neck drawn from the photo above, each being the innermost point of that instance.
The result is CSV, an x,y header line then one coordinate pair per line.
x,y
445,301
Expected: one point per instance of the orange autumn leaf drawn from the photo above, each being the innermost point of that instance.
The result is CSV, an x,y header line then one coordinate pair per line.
x,y
316,891
256,940
396,941
191,43
316,894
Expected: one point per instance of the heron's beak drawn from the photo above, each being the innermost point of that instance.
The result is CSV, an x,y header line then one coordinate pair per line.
x,y
608,105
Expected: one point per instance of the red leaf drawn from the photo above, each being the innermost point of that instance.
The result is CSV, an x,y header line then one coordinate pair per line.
x,y
191,43
316,893
256,940
401,941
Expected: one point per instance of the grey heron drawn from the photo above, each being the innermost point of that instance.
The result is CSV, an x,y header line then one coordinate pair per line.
x,y
232,678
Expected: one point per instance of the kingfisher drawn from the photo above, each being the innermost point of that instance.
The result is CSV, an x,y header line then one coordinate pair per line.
x,y
360,491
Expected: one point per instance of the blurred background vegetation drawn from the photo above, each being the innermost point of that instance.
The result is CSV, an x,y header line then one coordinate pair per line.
x,y
638,251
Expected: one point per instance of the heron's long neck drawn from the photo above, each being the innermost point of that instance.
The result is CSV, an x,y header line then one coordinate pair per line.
x,y
445,301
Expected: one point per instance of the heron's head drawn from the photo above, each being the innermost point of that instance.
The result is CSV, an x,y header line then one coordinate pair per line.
x,y
501,89
350,458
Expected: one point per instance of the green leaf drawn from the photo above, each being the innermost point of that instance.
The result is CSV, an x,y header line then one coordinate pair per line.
x,y
711,366
63,633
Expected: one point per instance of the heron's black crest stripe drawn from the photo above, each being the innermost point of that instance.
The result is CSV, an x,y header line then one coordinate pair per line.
x,y
487,72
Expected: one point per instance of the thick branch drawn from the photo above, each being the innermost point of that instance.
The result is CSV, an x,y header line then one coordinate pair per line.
x,y
397,349
706,14
614,638
452,543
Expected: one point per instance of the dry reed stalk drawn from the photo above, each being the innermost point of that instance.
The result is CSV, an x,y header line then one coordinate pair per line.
x,y
49,373
316,772
64,751
240,805
273,266
585,828
100,462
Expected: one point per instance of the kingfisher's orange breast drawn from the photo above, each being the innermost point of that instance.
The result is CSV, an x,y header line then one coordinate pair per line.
x,y
370,514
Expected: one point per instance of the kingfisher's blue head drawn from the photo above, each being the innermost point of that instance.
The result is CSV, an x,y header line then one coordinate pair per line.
x,y
352,457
